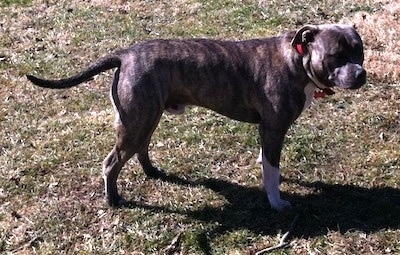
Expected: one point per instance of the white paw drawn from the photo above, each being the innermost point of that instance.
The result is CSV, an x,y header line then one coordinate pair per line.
x,y
280,205
259,159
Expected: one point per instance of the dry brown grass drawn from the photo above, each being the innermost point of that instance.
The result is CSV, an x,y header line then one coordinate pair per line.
x,y
382,41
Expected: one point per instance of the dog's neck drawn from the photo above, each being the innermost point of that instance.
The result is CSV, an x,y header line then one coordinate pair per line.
x,y
306,59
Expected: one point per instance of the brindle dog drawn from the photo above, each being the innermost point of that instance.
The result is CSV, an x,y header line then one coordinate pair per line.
x,y
266,81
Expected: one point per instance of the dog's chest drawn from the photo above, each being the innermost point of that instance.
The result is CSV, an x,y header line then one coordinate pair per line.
x,y
309,93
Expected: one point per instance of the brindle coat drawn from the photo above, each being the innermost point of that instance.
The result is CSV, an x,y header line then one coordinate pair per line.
x,y
263,81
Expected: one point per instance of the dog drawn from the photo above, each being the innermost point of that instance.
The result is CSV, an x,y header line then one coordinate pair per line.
x,y
267,81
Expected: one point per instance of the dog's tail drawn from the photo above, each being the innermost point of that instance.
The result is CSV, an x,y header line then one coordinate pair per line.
x,y
101,65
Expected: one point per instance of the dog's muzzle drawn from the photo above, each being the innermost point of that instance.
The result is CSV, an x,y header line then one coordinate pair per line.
x,y
349,76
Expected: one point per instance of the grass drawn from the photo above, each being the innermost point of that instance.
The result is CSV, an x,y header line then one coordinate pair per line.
x,y
340,161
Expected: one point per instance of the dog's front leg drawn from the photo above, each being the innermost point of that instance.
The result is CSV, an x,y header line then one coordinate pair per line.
x,y
271,179
272,141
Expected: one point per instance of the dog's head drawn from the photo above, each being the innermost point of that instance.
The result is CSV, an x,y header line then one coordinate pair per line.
x,y
332,55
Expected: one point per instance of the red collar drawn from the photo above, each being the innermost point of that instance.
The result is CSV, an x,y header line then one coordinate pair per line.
x,y
299,48
322,93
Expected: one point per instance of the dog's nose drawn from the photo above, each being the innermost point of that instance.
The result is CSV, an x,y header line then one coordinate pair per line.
x,y
361,75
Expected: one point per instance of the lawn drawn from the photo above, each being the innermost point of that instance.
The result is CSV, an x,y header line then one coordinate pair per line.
x,y
340,162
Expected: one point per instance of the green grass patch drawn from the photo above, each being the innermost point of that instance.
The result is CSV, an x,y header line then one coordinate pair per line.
x,y
4,3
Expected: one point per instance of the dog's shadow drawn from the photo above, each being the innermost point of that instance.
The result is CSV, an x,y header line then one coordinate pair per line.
x,y
330,207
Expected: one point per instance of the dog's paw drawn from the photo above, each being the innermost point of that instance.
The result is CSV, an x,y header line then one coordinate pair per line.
x,y
117,201
280,205
154,172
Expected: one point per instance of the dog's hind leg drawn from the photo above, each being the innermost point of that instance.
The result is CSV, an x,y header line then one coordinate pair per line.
x,y
143,157
111,168
129,142
136,120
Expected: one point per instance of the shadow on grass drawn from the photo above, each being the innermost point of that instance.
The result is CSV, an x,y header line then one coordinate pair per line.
x,y
331,207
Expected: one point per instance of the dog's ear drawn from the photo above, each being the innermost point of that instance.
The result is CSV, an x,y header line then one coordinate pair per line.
x,y
304,35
